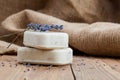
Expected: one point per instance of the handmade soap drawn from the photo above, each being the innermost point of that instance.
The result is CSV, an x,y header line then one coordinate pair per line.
x,y
45,40
36,56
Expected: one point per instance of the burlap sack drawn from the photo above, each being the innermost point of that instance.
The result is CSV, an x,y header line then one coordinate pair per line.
x,y
94,39
12,50
99,38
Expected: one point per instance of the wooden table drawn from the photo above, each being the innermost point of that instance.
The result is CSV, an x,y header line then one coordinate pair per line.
x,y
83,68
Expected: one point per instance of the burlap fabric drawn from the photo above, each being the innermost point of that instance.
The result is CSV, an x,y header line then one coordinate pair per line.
x,y
81,20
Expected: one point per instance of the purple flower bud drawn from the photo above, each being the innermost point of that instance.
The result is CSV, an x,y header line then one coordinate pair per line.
x,y
51,26
56,27
40,25
61,27
48,27
43,29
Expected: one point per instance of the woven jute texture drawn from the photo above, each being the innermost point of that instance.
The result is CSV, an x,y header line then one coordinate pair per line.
x,y
93,25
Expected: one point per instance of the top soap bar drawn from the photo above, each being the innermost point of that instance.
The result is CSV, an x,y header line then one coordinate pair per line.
x,y
45,40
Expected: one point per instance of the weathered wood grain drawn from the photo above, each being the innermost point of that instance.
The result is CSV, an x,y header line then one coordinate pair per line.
x,y
89,68
11,70
84,68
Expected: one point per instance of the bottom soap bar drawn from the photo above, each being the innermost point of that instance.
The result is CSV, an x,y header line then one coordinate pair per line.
x,y
37,56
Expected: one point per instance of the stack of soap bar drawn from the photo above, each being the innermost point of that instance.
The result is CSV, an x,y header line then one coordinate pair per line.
x,y
55,56
47,48
46,40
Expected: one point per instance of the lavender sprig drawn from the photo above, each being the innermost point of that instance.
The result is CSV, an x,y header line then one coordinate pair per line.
x,y
43,28
36,27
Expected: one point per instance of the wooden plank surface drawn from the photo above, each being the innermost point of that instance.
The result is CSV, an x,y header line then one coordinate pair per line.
x,y
90,68
11,70
84,68
113,63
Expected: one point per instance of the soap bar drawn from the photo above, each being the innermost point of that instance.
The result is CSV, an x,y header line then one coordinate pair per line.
x,y
45,40
37,56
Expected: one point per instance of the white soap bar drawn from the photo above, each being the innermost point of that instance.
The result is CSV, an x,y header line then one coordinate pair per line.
x,y
46,40
36,56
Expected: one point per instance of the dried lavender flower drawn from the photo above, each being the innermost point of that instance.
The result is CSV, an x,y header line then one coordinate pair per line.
x,y
43,28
